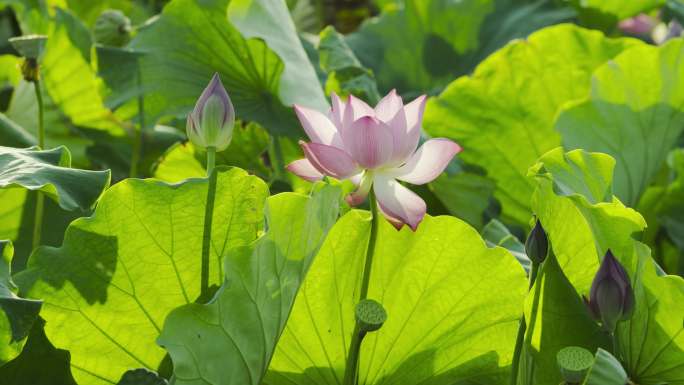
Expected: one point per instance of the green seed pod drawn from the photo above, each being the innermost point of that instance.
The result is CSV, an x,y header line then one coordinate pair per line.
x,y
112,28
574,362
370,315
29,46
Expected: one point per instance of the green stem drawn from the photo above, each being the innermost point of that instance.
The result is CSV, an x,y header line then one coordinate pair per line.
x,y
275,153
522,328
616,345
351,370
371,247
208,217
40,199
137,144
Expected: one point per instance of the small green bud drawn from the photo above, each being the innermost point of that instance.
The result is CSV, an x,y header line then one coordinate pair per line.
x,y
210,124
29,46
574,362
370,315
112,28
537,244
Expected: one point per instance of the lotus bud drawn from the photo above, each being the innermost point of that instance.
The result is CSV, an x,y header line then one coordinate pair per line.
x,y
611,298
210,124
537,244
370,315
112,28
31,47
574,362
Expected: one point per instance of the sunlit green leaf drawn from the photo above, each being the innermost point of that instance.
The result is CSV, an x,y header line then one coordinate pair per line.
x,y
635,113
503,115
453,306
109,287
231,340
651,343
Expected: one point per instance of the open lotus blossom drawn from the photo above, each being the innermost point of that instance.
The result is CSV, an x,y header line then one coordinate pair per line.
x,y
374,148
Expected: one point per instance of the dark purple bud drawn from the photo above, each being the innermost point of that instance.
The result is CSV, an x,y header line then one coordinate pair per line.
x,y
537,244
611,298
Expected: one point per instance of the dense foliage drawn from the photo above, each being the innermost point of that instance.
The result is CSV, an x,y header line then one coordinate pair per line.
x,y
496,195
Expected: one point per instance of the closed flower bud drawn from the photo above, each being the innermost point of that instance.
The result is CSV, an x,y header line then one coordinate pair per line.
x,y
611,298
210,124
112,28
537,244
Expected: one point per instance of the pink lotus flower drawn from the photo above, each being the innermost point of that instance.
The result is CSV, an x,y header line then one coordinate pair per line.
x,y
374,148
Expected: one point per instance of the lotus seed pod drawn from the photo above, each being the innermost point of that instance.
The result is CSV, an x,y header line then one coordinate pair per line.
x,y
370,315
112,28
537,244
29,46
210,124
574,362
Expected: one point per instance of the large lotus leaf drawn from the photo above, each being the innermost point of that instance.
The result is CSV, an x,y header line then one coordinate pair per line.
x,y
11,212
345,74
118,274
618,9
556,317
670,209
263,75
466,195
503,114
49,171
17,314
635,113
231,339
421,45
453,307
581,231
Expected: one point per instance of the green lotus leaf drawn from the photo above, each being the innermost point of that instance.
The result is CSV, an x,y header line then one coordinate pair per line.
x,y
503,115
606,370
452,303
49,171
635,113
651,343
18,314
109,287
252,44
231,339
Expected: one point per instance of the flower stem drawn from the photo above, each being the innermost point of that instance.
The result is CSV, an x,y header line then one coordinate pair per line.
x,y
137,144
40,199
371,246
351,371
522,328
208,216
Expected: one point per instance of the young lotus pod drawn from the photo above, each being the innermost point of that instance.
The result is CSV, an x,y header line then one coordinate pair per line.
x,y
574,362
537,244
29,46
611,298
370,315
210,124
112,28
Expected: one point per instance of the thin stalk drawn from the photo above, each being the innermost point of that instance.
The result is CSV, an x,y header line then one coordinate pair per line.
x,y
371,247
275,153
522,328
616,345
40,199
351,371
208,216
137,144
